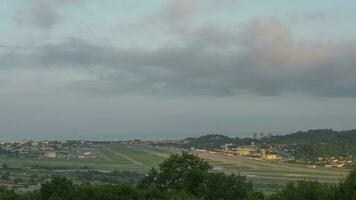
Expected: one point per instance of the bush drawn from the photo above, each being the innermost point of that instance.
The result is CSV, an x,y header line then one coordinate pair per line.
x,y
18,180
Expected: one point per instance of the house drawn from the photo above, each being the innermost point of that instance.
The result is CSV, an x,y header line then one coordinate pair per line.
x,y
311,166
244,151
334,166
50,154
34,144
201,150
86,155
271,157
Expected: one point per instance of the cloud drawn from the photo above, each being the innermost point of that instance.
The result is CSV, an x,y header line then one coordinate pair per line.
x,y
175,14
42,13
181,8
5,46
316,16
259,58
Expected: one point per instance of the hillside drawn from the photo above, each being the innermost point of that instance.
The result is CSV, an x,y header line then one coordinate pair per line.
x,y
212,141
319,143
309,144
314,136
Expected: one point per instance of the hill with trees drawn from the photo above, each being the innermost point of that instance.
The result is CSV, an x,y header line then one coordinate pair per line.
x,y
314,136
318,143
309,144
213,141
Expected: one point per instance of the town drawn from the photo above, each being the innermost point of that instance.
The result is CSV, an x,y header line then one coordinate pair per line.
x,y
47,149
274,153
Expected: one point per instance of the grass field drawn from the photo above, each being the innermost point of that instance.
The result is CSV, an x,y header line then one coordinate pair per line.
x,y
109,157
265,175
271,175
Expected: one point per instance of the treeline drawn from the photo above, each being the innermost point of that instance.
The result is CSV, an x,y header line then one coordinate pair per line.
x,y
126,177
184,177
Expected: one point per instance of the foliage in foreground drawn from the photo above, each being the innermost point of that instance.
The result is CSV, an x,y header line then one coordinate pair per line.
x,y
185,177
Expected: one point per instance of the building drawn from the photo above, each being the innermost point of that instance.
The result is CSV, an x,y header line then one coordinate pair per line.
x,y
227,147
271,157
268,156
22,142
34,144
263,153
50,154
244,151
86,155
45,143
201,150
334,166
311,166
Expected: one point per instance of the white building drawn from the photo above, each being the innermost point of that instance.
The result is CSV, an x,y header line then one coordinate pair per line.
x,y
50,155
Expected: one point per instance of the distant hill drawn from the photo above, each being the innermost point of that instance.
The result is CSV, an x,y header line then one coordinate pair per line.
x,y
319,143
212,141
309,144
314,136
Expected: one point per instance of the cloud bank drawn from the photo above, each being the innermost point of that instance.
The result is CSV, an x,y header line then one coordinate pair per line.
x,y
259,57
169,68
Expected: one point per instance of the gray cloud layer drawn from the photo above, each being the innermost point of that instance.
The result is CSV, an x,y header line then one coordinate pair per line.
x,y
42,13
259,58
81,68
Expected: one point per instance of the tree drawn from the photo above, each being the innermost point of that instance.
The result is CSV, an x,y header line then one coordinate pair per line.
x,y
301,190
174,172
58,186
187,174
5,166
6,194
5,176
347,189
229,187
18,180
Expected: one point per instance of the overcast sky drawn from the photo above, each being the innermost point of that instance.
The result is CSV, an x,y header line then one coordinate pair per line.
x,y
116,69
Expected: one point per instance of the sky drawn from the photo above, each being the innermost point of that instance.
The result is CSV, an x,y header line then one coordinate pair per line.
x,y
123,69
